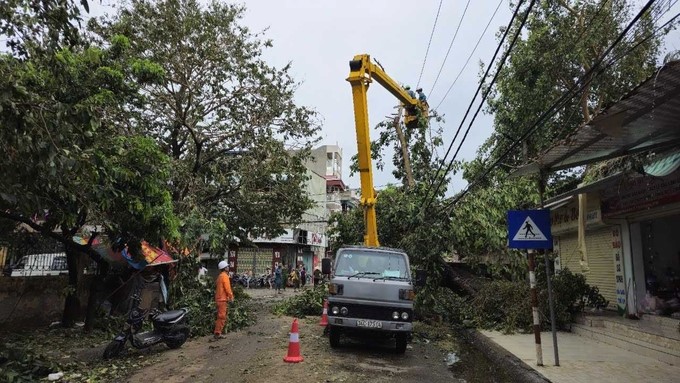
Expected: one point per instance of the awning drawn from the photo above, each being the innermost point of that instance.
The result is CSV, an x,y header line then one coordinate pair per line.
x,y
646,119
664,166
564,198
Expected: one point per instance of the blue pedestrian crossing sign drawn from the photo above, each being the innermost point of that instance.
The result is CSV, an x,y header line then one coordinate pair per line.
x,y
529,229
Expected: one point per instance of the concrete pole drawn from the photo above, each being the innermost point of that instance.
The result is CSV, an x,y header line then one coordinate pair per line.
x,y
552,310
531,255
551,303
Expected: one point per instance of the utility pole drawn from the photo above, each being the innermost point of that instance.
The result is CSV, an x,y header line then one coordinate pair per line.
x,y
531,255
551,303
404,147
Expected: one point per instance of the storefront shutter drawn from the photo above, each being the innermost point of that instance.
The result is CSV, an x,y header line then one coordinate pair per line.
x,y
600,260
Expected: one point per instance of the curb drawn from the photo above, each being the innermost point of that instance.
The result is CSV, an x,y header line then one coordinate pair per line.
x,y
518,370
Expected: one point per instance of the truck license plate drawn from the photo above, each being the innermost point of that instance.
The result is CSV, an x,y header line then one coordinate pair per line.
x,y
369,323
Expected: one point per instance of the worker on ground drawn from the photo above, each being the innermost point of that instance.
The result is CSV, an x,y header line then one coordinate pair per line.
x,y
223,296
421,96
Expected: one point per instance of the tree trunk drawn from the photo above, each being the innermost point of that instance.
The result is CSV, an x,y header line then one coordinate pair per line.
x,y
458,280
72,304
92,301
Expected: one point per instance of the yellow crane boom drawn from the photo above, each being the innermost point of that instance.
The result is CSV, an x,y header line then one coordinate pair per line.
x,y
362,73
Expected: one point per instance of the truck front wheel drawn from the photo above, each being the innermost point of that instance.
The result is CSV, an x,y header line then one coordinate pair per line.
x,y
334,336
401,339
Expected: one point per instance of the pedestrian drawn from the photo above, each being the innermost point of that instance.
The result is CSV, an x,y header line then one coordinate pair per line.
x,y
223,296
317,276
303,276
295,279
249,276
269,278
202,274
278,278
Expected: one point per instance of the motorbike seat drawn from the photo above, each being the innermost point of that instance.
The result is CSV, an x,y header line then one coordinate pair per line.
x,y
169,316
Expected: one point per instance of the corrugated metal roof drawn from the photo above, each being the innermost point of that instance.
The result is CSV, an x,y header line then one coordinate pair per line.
x,y
647,118
559,200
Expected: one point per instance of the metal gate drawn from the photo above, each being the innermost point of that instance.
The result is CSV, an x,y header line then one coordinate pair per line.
x,y
254,259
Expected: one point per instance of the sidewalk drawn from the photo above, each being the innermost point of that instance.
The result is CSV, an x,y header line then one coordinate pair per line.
x,y
583,360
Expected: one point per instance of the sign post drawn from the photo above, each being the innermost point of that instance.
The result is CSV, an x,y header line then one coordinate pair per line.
x,y
530,230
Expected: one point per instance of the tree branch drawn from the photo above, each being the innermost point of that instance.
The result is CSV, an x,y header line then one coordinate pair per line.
x,y
566,6
67,241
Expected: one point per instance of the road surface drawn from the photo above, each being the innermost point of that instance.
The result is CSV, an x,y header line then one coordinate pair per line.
x,y
256,355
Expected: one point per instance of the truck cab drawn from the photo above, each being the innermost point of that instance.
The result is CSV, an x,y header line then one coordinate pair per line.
x,y
371,290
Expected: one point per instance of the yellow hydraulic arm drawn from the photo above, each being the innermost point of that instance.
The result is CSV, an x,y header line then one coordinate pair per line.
x,y
362,73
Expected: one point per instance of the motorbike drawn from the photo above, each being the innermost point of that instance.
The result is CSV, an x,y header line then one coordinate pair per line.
x,y
169,327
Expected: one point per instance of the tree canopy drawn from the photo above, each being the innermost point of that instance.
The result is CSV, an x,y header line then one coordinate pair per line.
x,y
227,119
563,40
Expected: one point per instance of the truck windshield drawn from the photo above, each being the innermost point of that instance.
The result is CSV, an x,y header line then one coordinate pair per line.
x,y
371,264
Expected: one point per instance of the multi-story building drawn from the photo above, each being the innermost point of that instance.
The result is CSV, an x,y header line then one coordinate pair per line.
x,y
339,197
304,242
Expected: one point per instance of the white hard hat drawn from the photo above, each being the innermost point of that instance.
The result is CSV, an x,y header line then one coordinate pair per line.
x,y
223,265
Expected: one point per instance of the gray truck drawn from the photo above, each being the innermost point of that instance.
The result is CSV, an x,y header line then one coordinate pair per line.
x,y
371,290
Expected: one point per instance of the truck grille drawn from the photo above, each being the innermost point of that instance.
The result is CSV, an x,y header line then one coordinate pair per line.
x,y
373,312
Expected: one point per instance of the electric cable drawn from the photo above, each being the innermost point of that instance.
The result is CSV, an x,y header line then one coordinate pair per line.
x,y
471,54
567,96
450,46
429,42
474,97
589,24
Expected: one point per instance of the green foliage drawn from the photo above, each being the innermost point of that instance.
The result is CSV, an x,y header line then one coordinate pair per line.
x,y
65,159
572,295
442,305
225,117
31,356
18,364
308,302
31,27
425,237
563,39
63,155
480,233
505,305
421,138
187,291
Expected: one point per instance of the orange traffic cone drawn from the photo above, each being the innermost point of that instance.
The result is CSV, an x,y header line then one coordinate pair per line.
x,y
294,345
324,315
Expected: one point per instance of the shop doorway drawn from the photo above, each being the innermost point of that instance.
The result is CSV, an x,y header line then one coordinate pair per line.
x,y
656,263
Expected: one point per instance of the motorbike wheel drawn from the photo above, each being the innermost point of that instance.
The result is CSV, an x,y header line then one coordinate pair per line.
x,y
114,349
179,339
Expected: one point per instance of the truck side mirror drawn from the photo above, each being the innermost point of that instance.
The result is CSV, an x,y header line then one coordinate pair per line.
x,y
325,265
421,278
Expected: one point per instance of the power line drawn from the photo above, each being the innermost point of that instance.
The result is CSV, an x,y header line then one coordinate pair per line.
x,y
425,202
471,53
429,42
588,26
486,94
567,96
450,45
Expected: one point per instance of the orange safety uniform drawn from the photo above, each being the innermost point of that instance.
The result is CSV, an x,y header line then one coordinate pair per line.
x,y
223,294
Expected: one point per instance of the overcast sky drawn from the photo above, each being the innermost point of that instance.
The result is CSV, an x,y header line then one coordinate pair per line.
x,y
320,37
